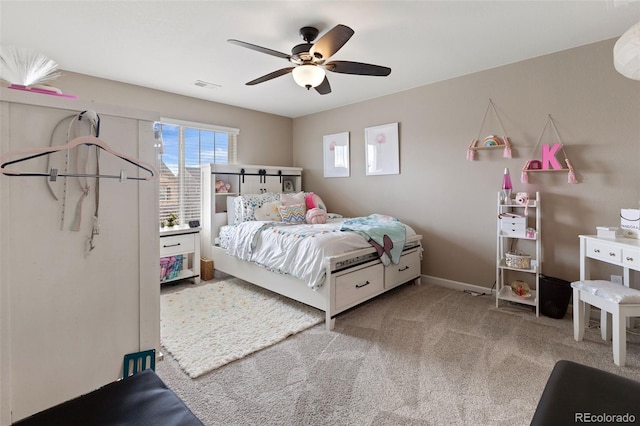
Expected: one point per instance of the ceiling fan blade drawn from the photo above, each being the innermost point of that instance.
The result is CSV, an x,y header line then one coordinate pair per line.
x,y
348,67
331,42
270,76
324,88
260,49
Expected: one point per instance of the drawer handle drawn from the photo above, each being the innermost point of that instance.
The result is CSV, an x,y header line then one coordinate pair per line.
x,y
403,269
612,254
362,285
171,245
630,259
596,250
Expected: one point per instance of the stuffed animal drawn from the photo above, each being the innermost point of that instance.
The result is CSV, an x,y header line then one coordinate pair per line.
x,y
316,216
222,186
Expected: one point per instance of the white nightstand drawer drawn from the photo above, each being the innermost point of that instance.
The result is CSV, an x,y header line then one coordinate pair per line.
x,y
407,269
599,250
359,285
176,244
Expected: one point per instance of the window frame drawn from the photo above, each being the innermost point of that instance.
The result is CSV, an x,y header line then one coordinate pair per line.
x,y
183,125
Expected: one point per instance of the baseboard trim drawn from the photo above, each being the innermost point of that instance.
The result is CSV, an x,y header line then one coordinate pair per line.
x,y
456,285
460,286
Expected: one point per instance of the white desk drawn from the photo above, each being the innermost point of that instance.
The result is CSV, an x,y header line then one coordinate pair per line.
x,y
624,252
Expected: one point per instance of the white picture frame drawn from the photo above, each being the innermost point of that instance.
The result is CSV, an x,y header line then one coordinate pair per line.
x,y
288,186
382,151
335,154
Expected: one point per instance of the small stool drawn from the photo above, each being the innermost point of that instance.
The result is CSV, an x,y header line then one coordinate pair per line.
x,y
614,300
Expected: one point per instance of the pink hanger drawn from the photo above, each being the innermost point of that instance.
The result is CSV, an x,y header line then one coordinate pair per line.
x,y
82,140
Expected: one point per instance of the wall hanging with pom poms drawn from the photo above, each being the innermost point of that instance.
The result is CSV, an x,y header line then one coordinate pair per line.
x,y
27,70
548,162
491,141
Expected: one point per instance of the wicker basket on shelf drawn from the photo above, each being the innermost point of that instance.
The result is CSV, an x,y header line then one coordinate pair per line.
x,y
518,259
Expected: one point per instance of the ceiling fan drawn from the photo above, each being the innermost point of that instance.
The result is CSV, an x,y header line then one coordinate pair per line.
x,y
310,59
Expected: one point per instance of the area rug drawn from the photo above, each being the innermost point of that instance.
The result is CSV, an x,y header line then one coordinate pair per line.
x,y
208,326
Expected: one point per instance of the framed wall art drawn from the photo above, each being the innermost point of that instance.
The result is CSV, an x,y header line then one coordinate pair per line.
x,y
335,150
382,149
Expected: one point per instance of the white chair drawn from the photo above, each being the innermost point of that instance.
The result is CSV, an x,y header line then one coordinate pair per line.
x,y
614,300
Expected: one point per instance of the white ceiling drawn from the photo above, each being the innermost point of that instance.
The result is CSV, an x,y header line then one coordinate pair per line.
x,y
167,45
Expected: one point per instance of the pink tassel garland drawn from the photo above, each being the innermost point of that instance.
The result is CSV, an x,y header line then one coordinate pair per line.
x,y
471,154
524,176
572,174
507,147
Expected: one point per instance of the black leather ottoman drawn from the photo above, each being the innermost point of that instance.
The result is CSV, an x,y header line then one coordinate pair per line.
x,y
141,399
576,394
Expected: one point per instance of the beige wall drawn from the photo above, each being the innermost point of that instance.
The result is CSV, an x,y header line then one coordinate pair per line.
x,y
265,139
448,199
452,201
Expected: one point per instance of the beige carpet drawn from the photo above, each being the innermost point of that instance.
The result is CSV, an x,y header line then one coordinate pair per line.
x,y
207,326
419,355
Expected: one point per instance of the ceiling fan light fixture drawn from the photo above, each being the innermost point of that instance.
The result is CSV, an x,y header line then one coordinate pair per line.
x,y
308,75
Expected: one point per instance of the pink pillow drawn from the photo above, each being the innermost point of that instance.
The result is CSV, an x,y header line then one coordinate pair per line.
x,y
315,202
316,216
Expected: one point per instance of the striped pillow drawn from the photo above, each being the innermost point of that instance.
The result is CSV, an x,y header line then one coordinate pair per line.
x,y
294,213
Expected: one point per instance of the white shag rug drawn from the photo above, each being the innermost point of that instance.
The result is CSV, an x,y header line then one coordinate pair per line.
x,y
208,326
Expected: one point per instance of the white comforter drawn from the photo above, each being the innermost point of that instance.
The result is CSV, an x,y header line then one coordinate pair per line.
x,y
295,249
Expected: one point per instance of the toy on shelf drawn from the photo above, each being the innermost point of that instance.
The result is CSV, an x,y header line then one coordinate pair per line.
x,y
549,162
222,186
491,141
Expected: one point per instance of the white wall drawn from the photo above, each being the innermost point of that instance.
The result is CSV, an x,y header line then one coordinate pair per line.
x,y
69,316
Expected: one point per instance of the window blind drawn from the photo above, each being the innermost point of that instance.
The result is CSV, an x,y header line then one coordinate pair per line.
x,y
185,147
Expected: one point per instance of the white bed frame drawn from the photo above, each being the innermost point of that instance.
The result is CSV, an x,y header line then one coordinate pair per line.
x,y
336,295
344,286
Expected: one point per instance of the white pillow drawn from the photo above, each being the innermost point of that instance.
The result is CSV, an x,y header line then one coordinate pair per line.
x,y
245,205
231,210
269,211
290,199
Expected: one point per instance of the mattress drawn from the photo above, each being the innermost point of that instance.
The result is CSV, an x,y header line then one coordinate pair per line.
x,y
298,250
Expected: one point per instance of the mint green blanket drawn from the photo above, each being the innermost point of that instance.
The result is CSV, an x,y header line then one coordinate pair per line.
x,y
387,234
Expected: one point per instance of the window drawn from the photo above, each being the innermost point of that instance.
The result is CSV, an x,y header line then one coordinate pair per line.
x,y
185,147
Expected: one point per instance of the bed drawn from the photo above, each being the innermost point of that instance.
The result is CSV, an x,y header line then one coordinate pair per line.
x,y
332,266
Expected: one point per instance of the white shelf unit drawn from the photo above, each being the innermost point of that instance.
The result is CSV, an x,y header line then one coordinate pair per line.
x,y
511,238
243,179
181,240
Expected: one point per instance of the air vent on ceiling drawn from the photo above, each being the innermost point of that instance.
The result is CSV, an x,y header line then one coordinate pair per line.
x,y
206,84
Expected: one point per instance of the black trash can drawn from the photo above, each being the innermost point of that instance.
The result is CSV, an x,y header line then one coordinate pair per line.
x,y
555,294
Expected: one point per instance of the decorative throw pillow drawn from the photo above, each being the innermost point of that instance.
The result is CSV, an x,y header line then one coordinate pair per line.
x,y
313,201
316,216
269,211
248,204
288,199
294,213
231,210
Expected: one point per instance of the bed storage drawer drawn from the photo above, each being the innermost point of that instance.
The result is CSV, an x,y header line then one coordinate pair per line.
x,y
407,269
356,286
